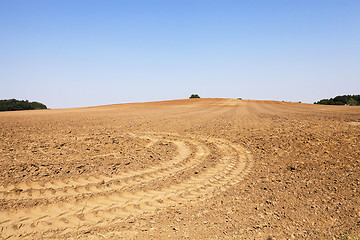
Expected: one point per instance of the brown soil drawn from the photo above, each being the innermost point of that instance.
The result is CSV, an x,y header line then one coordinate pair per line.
x,y
184,169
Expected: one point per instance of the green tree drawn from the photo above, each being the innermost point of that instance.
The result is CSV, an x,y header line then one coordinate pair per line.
x,y
194,96
15,105
341,100
352,102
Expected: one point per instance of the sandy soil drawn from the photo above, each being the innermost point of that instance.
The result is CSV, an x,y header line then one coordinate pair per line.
x,y
184,169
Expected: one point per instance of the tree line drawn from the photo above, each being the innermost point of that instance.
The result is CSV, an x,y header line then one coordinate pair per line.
x,y
16,105
351,100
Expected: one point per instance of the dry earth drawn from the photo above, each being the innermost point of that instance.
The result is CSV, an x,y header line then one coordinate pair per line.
x,y
184,169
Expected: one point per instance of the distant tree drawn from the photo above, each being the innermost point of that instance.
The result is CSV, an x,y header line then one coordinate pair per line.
x,y
352,102
194,96
16,105
341,100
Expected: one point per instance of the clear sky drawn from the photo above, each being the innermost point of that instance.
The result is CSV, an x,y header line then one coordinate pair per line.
x,y
72,53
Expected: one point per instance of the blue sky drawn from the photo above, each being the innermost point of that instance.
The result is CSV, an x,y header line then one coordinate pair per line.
x,y
85,53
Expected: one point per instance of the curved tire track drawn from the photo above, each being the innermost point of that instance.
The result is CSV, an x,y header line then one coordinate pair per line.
x,y
81,205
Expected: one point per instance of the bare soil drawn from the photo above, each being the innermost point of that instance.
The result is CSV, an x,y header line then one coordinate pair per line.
x,y
183,169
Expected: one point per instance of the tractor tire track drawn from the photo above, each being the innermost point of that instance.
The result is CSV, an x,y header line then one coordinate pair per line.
x,y
85,206
91,184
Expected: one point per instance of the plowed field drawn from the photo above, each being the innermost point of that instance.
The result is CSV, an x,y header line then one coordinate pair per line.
x,y
183,169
